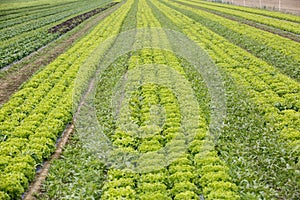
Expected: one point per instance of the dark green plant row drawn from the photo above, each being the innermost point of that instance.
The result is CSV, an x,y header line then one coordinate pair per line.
x,y
28,13
35,116
277,106
44,20
28,8
8,21
258,157
275,50
20,39
78,174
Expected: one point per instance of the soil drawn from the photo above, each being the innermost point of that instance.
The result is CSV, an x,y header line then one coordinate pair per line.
x,y
21,71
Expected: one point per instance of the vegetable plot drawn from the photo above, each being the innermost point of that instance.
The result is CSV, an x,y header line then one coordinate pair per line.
x,y
25,31
250,73
169,102
287,24
36,115
275,50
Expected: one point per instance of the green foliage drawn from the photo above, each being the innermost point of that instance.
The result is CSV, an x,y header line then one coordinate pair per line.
x,y
256,155
37,114
4,196
186,196
282,24
183,187
26,30
119,193
275,50
78,174
13,184
243,70
153,196
222,194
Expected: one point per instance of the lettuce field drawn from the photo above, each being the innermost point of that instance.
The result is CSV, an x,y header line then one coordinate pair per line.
x,y
148,99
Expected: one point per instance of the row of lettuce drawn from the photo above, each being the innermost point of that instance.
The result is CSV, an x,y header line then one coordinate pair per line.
x,y
162,109
275,95
34,117
90,174
286,22
277,51
29,14
193,170
164,106
23,32
277,15
272,96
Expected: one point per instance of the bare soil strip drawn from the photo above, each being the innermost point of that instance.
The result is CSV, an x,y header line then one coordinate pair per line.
x,y
21,71
75,21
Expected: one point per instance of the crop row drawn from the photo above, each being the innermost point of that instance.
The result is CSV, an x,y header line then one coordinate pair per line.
x,y
11,19
35,116
184,177
267,87
87,182
21,39
31,17
11,30
11,9
288,26
277,51
212,175
275,95
119,183
277,15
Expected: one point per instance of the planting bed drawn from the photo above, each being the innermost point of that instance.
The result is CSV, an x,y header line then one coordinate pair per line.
x,y
168,100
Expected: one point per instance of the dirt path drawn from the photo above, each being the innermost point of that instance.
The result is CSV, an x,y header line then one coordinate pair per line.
x,y
21,71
